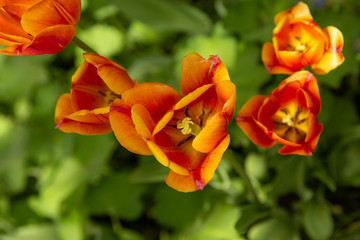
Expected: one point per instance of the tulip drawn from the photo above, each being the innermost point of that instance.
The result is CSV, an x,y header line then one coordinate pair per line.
x,y
95,85
188,132
33,27
298,42
287,116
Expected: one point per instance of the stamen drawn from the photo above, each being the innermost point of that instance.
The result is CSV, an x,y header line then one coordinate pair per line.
x,y
288,120
188,127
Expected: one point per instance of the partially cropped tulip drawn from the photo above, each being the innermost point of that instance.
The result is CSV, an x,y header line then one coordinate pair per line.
x,y
95,85
298,42
287,116
33,27
186,133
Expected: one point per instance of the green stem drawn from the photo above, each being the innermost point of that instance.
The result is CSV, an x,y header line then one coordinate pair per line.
x,y
241,171
83,45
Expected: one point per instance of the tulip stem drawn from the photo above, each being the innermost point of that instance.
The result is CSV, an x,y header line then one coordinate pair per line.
x,y
241,171
83,45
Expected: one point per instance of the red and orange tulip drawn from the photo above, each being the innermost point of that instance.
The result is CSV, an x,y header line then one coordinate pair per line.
x,y
187,134
33,27
298,42
287,116
95,85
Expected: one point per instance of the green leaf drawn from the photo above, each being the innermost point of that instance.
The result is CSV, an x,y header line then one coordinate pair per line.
x,y
176,209
317,220
219,225
116,196
277,228
166,15
33,232
149,170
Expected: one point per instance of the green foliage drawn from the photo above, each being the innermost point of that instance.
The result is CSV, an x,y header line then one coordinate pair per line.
x,y
57,186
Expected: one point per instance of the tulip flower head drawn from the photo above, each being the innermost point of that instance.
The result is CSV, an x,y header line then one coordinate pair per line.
x,y
95,85
33,27
287,116
186,133
298,42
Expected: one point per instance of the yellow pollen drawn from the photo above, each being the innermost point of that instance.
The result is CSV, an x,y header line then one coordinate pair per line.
x,y
300,47
288,121
188,127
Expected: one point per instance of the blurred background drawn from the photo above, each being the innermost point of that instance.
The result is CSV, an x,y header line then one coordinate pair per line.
x,y
57,186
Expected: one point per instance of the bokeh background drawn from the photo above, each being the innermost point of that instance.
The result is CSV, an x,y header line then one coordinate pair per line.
x,y
57,186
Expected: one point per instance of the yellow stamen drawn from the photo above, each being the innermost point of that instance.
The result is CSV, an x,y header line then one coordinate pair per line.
x,y
188,127
288,121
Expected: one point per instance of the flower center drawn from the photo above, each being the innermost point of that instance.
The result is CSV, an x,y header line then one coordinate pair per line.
x,y
110,96
296,45
291,123
188,127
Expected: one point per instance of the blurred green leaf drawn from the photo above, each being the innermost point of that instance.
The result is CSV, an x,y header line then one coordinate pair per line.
x,y
318,222
149,170
277,228
33,232
165,15
175,209
70,226
249,215
125,202
219,225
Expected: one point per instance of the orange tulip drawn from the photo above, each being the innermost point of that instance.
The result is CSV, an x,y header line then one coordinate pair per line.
x,y
187,134
298,42
33,27
95,85
287,116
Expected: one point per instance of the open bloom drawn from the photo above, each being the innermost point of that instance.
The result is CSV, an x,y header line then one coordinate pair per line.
x,y
33,27
287,116
186,133
95,85
298,42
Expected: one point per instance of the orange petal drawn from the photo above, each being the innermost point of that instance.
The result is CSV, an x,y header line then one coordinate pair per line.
x,y
63,107
246,120
299,11
163,159
192,96
209,137
92,125
124,130
226,92
271,62
194,72
51,40
333,56
157,98
10,27
200,177
48,13
115,76
142,120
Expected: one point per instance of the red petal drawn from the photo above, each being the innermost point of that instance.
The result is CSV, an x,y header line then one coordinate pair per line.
x,y
246,120
200,177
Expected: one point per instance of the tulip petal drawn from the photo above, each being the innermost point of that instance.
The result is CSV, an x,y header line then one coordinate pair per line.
x,y
192,96
124,129
226,93
246,120
49,13
199,177
114,75
157,98
299,11
270,61
333,56
214,131
91,126
142,120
